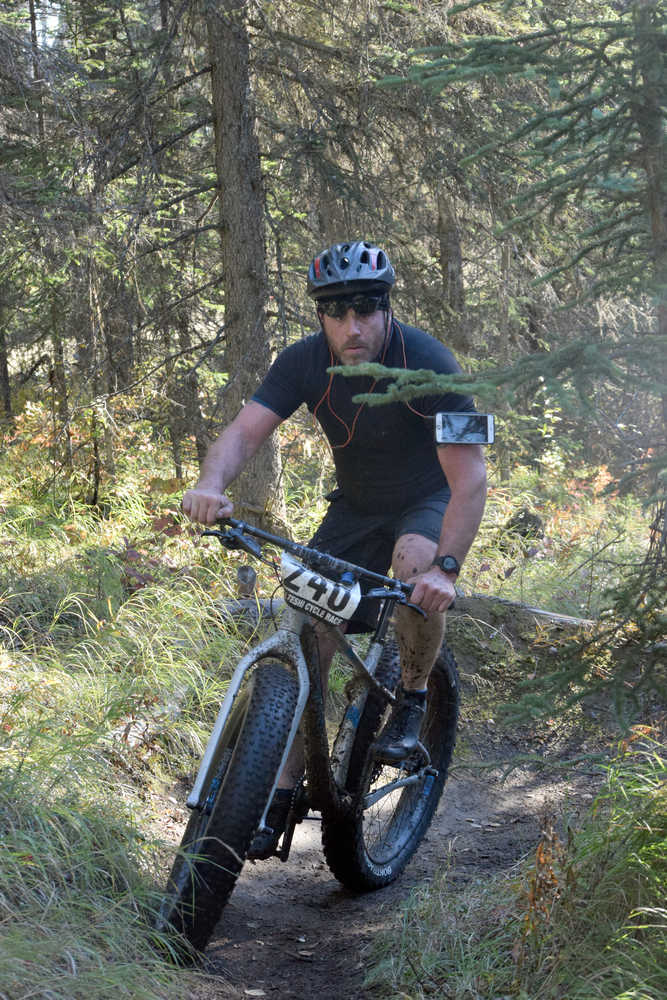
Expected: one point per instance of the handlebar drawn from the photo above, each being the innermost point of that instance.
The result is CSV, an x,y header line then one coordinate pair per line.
x,y
235,536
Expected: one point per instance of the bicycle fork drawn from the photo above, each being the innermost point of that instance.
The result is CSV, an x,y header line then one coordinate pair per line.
x,y
284,644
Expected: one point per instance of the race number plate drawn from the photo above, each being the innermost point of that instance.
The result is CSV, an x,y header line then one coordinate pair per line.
x,y
307,591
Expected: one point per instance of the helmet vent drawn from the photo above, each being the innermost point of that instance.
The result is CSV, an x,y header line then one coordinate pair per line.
x,y
364,258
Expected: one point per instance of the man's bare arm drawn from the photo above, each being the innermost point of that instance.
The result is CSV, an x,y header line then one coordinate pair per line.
x,y
225,459
465,469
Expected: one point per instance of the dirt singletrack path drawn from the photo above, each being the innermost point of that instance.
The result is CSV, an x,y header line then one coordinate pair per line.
x,y
291,931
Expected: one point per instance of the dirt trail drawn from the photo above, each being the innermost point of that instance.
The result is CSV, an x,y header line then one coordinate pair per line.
x,y
291,931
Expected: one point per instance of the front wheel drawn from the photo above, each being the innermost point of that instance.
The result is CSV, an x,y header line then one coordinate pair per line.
x,y
370,846
218,836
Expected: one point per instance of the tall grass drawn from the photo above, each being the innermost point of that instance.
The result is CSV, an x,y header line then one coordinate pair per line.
x,y
105,686
583,919
86,729
75,895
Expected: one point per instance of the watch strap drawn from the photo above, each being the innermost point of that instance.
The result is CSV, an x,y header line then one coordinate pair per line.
x,y
448,564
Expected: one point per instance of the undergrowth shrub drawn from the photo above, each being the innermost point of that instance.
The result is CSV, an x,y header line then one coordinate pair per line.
x,y
586,542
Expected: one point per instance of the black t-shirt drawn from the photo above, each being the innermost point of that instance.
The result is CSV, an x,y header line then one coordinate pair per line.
x,y
385,456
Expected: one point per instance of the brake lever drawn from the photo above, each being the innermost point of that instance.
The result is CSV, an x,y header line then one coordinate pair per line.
x,y
396,595
234,538
415,607
379,593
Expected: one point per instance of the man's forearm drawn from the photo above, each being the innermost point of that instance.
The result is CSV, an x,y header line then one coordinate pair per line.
x,y
237,444
465,469
461,523
224,461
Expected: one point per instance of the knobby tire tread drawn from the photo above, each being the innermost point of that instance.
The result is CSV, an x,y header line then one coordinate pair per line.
x,y
205,872
344,837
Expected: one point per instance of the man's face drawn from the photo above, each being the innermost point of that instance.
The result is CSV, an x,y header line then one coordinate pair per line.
x,y
355,338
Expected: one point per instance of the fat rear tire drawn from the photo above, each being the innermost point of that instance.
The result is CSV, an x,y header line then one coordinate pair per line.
x,y
368,849
218,836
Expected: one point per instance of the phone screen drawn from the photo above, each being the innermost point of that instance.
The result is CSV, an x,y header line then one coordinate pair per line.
x,y
464,428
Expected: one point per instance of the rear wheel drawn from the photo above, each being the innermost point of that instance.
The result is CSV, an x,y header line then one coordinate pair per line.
x,y
369,848
218,836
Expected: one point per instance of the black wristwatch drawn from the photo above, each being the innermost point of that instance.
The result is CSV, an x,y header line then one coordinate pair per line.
x,y
448,564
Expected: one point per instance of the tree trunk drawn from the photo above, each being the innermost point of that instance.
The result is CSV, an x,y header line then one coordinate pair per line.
x,y
504,353
257,492
5,388
455,333
61,399
188,392
649,115
37,73
97,327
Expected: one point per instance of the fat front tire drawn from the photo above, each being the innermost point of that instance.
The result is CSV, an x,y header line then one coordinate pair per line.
x,y
368,848
218,836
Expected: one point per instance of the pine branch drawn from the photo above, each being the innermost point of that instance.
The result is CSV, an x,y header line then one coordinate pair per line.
x,y
167,144
595,361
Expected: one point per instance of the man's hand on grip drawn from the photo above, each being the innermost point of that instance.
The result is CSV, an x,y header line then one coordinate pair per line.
x,y
206,506
433,590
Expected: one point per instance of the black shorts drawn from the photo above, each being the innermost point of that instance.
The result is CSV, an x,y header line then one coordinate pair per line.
x,y
368,540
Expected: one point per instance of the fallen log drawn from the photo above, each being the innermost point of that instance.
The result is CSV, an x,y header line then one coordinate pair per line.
x,y
251,613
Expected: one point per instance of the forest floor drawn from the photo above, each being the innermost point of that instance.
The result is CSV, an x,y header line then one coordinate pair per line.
x,y
291,931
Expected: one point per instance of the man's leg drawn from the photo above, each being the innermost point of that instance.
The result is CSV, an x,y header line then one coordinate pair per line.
x,y
343,533
419,642
419,638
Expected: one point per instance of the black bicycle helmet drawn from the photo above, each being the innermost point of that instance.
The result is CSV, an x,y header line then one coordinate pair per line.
x,y
349,267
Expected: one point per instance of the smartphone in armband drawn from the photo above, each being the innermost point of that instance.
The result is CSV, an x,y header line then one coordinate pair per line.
x,y
464,428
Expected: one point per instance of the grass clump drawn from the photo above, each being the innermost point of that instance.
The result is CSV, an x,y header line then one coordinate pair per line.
x,y
584,919
75,900
88,724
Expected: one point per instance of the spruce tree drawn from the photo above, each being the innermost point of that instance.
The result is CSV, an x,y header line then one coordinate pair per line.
x,y
593,142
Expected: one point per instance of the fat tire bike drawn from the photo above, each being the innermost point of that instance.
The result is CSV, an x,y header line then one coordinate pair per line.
x,y
374,815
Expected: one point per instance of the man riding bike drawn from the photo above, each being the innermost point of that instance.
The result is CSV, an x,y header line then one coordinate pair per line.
x,y
401,501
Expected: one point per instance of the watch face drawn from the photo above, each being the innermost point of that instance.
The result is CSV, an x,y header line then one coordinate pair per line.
x,y
448,564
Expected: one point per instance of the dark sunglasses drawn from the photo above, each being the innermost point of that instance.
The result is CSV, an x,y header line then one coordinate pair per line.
x,y
363,305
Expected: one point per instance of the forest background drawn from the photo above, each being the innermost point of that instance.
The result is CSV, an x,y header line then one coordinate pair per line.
x,y
167,169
